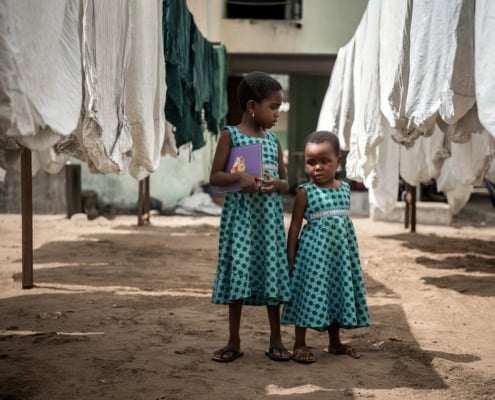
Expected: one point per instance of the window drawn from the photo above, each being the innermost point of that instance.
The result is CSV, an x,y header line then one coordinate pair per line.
x,y
264,9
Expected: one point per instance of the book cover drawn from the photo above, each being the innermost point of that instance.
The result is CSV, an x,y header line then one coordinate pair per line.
x,y
248,158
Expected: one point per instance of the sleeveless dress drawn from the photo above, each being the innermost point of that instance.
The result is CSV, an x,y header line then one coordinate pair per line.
x,y
327,283
252,261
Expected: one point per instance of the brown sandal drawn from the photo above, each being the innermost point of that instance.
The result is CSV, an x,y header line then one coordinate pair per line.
x,y
303,355
343,349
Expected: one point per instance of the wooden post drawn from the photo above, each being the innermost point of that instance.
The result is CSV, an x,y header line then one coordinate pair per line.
x,y
143,209
73,189
413,208
27,219
407,207
147,199
410,209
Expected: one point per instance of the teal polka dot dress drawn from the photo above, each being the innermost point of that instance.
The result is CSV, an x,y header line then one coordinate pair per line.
x,y
252,261
327,283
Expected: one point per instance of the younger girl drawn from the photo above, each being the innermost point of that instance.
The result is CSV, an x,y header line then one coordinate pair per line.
x,y
252,264
327,284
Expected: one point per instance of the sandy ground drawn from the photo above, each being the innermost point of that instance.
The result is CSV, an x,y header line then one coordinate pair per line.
x,y
123,312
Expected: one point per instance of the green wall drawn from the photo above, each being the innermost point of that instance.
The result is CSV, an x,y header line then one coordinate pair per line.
x,y
306,97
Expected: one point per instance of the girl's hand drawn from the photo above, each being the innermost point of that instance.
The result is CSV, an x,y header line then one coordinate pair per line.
x,y
248,182
269,184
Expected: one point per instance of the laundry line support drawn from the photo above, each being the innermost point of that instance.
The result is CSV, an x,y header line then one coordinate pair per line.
x,y
143,211
27,219
410,209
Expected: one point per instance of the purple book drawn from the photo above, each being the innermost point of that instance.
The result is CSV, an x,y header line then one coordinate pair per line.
x,y
248,158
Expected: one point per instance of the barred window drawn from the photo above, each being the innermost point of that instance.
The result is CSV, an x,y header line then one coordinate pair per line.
x,y
264,9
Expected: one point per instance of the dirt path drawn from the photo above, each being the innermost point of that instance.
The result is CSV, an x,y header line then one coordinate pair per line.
x,y
123,312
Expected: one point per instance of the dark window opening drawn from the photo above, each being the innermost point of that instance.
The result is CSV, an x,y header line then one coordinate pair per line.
x,y
264,9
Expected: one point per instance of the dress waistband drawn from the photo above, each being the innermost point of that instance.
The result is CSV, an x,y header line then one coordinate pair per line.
x,y
273,167
328,213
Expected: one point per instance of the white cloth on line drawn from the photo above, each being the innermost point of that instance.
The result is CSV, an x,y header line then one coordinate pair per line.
x,y
337,111
105,133
145,88
484,56
40,72
330,108
394,60
424,160
384,194
465,168
441,62
353,161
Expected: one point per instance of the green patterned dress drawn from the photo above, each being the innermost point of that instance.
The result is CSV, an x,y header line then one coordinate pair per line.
x,y
327,282
252,260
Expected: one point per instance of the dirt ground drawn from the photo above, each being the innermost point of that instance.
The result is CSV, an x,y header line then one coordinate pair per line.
x,y
123,312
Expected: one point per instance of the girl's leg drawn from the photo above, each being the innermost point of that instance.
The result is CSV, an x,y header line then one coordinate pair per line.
x,y
334,337
233,347
277,348
335,346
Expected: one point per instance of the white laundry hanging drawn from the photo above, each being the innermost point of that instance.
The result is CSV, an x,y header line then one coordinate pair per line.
x,y
106,42
465,168
145,88
353,160
384,194
330,108
484,45
395,23
40,71
441,62
424,160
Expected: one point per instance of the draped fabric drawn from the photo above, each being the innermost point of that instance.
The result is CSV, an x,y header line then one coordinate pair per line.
x,y
40,75
196,74
105,133
145,88
423,97
87,79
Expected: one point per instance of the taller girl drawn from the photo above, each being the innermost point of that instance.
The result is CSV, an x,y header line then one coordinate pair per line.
x,y
252,263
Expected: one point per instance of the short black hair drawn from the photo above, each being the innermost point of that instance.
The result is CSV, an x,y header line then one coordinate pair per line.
x,y
256,86
324,136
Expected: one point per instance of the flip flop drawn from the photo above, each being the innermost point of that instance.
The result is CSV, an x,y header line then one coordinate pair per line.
x,y
344,349
303,355
219,356
274,357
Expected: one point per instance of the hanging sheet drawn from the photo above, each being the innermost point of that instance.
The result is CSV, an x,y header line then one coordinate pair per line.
x,y
145,88
395,25
384,195
424,160
441,62
465,169
367,129
105,135
485,63
337,112
40,71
